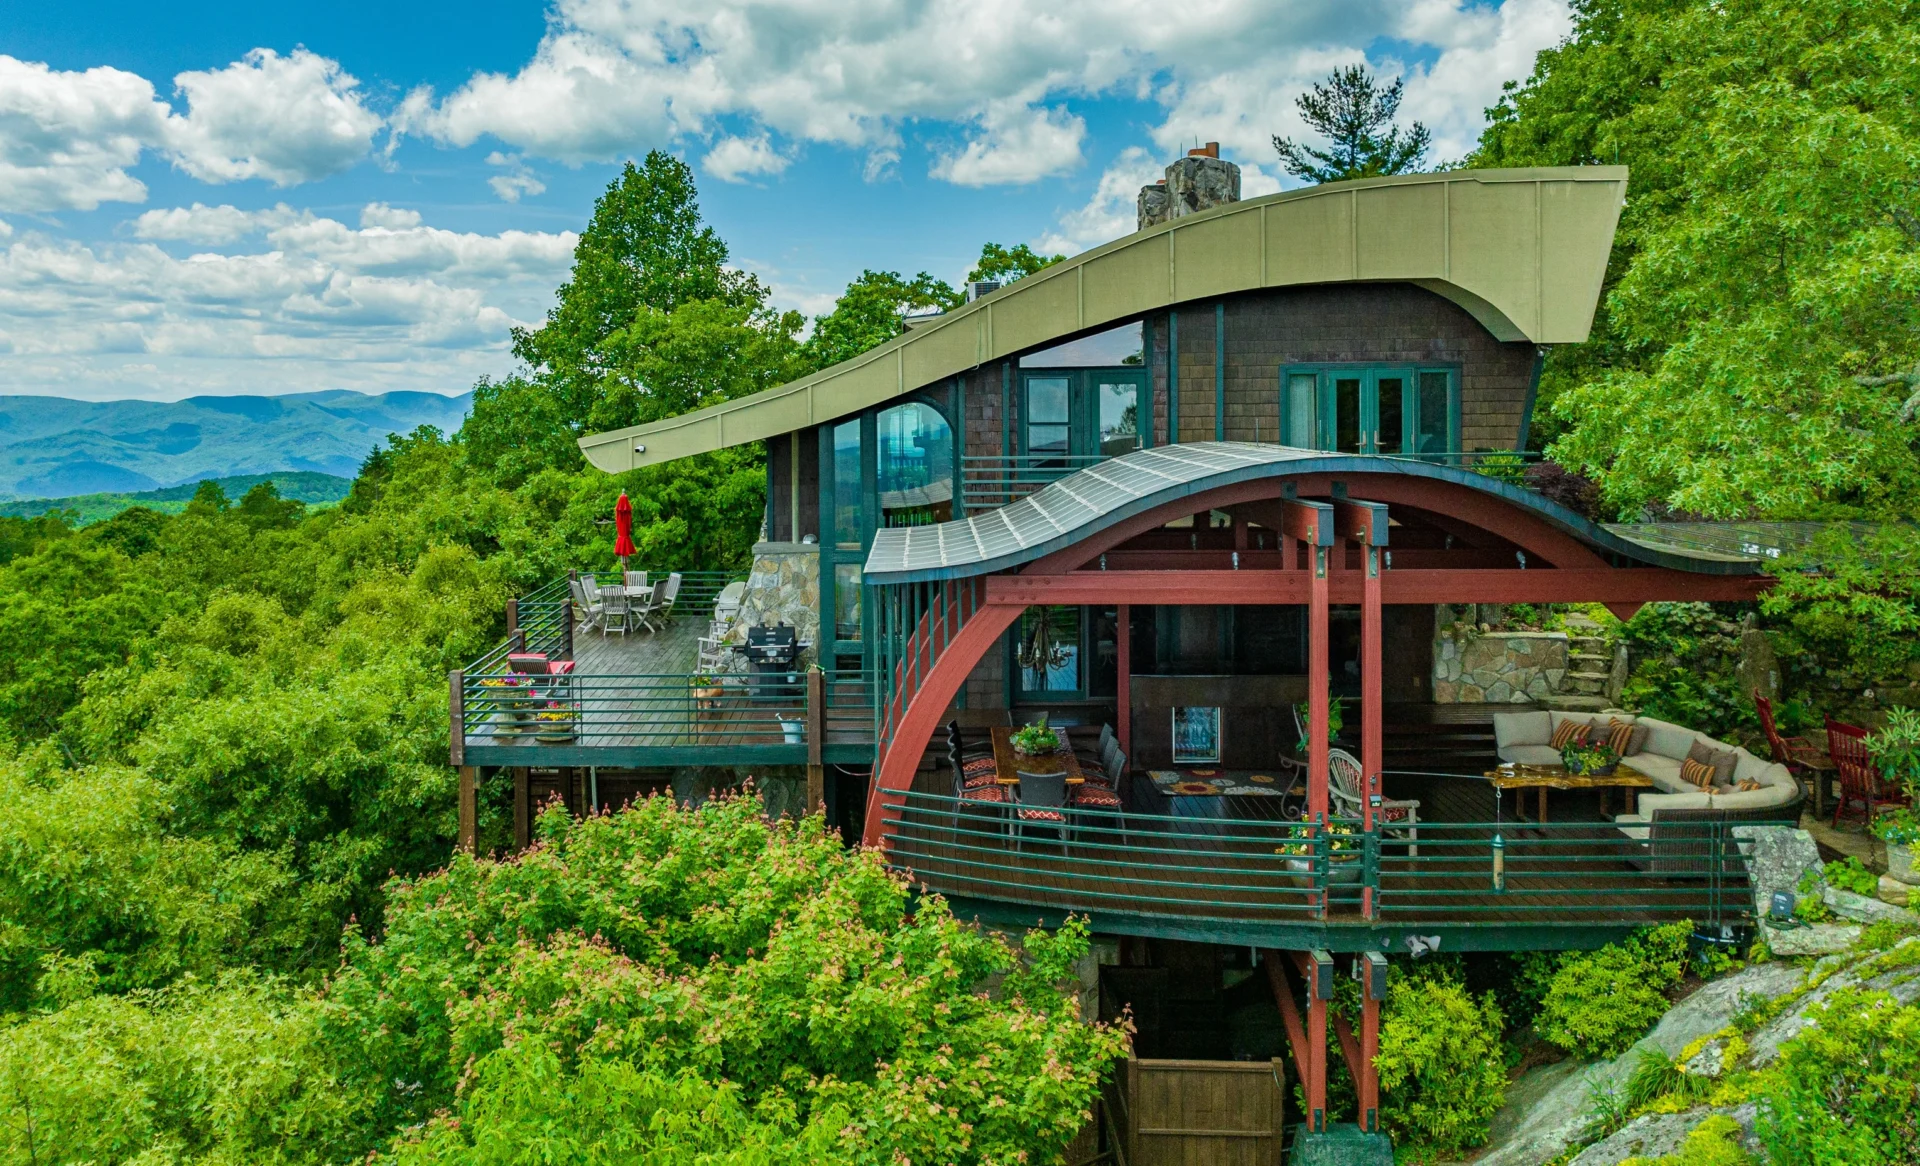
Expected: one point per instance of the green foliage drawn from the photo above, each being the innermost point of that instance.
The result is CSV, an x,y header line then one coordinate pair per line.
x,y
1714,1142
1599,1002
1355,113
1849,875
871,311
1844,1088
1007,264
1656,1077
1684,672
1441,1069
1761,317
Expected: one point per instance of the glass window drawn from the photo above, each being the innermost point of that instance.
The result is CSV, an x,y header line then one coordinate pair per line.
x,y
1047,653
1435,409
1297,413
846,485
846,601
1346,414
1390,414
1119,407
1048,414
914,465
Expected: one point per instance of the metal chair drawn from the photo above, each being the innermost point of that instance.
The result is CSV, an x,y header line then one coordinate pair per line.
x,y
1347,783
634,578
615,610
1043,800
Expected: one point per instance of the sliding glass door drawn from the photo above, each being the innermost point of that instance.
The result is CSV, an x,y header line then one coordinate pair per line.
x,y
1371,409
1070,415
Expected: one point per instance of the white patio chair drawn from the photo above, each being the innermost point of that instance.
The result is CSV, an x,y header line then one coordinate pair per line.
x,y
616,612
660,613
726,605
713,656
636,578
640,608
588,602
1398,817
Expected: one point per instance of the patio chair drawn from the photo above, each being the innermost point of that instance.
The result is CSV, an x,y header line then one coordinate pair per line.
x,y
587,599
1802,757
591,583
957,742
973,788
1399,817
1860,781
634,578
616,611
726,605
1043,801
712,657
660,611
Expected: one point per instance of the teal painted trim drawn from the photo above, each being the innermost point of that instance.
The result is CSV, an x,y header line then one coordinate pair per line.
x,y
1533,396
1173,377
1304,936
663,756
958,424
1145,422
1220,371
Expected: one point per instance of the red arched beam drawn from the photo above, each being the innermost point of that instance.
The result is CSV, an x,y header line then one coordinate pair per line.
x,y
1631,585
929,701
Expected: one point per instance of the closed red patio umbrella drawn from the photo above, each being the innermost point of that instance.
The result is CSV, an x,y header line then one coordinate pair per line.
x,y
623,530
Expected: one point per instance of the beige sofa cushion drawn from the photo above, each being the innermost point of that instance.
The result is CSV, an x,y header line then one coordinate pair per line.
x,y
1670,740
1509,729
1531,754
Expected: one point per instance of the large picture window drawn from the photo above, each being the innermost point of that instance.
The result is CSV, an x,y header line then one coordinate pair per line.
x,y
1380,409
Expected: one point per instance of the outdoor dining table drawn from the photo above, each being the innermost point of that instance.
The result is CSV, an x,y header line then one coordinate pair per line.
x,y
1008,765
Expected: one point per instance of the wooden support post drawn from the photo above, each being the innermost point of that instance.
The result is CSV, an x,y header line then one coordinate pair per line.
x,y
456,718
522,809
1312,524
1373,990
577,783
513,617
1123,677
1316,968
1366,524
1282,985
816,741
469,830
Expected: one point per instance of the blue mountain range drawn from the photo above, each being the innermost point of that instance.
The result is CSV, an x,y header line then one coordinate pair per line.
x,y
53,447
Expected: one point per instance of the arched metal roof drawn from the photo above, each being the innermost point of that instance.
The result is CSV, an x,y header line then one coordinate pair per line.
x,y
1082,504
1523,251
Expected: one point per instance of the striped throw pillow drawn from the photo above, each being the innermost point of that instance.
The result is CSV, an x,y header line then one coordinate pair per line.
x,y
1748,786
1697,773
1570,733
1619,733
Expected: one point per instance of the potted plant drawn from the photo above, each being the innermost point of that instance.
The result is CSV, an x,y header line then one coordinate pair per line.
x,y
1336,720
1896,748
706,690
1344,844
1594,759
1035,740
513,699
555,723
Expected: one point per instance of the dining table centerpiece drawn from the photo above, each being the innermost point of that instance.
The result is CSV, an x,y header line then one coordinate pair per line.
x,y
1591,759
1035,740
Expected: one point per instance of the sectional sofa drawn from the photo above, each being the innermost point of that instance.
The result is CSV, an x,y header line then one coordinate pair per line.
x,y
1523,738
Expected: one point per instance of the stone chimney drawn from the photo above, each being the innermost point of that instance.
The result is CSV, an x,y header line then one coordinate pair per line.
x,y
1200,181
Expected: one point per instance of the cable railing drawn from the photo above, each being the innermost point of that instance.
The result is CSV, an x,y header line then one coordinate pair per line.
x,y
1257,871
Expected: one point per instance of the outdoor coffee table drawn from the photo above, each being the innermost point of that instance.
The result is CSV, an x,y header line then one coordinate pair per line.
x,y
1546,777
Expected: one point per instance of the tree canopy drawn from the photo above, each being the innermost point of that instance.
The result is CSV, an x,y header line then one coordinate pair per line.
x,y
1355,113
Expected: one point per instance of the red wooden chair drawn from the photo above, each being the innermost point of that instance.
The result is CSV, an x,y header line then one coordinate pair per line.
x,y
1804,759
1860,781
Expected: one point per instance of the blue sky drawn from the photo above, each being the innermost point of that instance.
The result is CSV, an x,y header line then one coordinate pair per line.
x,y
246,198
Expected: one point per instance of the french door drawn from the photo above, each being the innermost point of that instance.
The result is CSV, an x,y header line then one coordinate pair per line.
x,y
1371,409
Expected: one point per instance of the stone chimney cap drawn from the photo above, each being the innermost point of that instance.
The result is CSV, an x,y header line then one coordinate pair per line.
x,y
1210,150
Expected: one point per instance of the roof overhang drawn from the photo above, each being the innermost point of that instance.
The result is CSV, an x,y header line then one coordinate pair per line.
x,y
1523,251
1104,495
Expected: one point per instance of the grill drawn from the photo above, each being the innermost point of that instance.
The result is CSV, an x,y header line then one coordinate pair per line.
x,y
770,652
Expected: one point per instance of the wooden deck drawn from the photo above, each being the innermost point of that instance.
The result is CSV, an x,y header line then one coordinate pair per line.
x,y
638,704
1208,869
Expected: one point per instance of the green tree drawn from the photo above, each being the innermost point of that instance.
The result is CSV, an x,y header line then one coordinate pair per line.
x,y
1355,114
1007,264
871,312
208,498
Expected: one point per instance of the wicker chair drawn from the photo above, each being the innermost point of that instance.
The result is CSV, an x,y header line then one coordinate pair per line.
x,y
1399,817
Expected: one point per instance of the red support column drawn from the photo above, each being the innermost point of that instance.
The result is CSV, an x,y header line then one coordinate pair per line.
x,y
1316,968
1123,632
1373,990
1317,684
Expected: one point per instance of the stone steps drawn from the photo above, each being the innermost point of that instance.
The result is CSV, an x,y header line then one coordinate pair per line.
x,y
1592,661
1574,703
1589,646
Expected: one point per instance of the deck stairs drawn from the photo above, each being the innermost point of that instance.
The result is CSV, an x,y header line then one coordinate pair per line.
x,y
1590,670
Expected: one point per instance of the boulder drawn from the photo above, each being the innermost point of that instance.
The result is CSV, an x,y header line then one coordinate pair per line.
x,y
1861,909
1656,1135
1814,939
1894,891
1777,858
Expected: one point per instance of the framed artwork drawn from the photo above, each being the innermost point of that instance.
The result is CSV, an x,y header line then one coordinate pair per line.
x,y
1196,736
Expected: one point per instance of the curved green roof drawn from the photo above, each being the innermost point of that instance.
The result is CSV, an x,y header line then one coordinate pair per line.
x,y
1089,501
1523,251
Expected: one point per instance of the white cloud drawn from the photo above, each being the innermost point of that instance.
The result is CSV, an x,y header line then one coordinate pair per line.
x,y
1112,211
285,119
68,138
517,182
317,304
1017,143
736,159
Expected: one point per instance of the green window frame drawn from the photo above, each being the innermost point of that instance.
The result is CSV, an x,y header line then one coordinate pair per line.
x,y
1404,410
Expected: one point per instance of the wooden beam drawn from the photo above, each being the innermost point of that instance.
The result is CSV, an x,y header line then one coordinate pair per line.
x,y
1364,522
1283,999
1123,649
816,741
456,718
522,809
469,831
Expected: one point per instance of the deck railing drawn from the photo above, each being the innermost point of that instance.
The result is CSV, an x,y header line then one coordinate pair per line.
x,y
1247,871
664,709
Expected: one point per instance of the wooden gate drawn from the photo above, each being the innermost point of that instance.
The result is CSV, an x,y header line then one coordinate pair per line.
x,y
1203,1113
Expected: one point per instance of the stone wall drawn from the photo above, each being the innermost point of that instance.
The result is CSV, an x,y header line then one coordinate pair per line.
x,y
784,587
1474,667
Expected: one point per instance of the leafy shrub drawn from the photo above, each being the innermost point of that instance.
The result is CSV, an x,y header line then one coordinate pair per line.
x,y
1844,1090
1442,1075
1599,1002
1656,1076
1849,875
1714,1142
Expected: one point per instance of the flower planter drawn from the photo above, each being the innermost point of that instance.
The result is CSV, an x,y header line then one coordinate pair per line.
x,y
555,735
1341,872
